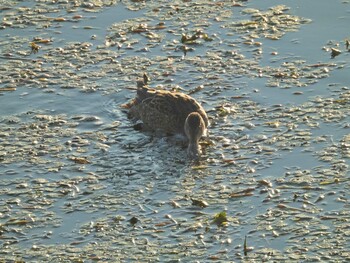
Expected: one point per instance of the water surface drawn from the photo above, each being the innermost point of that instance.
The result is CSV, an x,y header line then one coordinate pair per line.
x,y
79,183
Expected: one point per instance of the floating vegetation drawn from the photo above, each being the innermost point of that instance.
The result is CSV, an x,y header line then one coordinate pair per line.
x,y
192,39
271,24
78,183
335,52
200,203
220,219
34,48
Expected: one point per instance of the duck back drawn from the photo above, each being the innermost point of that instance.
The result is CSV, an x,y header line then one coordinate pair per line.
x,y
164,110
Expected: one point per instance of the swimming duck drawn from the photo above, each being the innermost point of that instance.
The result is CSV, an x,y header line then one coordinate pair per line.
x,y
170,113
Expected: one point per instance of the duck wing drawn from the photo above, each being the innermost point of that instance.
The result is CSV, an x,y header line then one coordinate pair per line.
x,y
164,110
160,112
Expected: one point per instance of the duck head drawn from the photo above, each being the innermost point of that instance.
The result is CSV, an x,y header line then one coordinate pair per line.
x,y
194,130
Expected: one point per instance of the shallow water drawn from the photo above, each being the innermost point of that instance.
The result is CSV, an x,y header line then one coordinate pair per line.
x,y
80,184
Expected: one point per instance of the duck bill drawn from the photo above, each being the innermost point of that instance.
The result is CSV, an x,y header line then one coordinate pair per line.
x,y
193,151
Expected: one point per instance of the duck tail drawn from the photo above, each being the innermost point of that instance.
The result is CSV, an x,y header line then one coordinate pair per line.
x,y
142,93
142,89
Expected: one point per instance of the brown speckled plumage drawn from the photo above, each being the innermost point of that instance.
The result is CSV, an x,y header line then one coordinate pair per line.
x,y
171,113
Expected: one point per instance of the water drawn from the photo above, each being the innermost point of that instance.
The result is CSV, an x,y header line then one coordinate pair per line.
x,y
72,185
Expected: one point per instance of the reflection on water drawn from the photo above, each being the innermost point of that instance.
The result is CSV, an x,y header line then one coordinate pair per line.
x,y
79,183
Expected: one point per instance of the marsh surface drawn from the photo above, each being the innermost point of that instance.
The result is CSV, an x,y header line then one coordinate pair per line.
x,y
78,183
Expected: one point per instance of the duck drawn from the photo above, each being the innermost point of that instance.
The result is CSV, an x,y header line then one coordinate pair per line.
x,y
170,113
